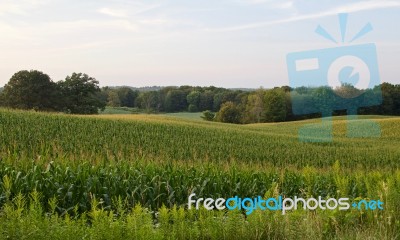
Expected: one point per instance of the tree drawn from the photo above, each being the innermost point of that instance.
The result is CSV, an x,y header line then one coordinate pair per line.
x,y
208,115
80,93
206,100
323,99
255,107
217,101
175,101
31,90
275,105
391,99
229,113
148,101
113,99
193,108
193,99
162,96
349,98
104,93
127,96
346,90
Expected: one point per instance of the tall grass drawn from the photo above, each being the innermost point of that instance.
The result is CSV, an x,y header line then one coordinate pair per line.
x,y
23,220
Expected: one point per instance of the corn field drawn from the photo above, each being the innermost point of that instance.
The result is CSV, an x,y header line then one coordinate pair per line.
x,y
129,177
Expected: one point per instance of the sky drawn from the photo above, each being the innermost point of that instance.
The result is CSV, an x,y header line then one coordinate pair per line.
x,y
225,43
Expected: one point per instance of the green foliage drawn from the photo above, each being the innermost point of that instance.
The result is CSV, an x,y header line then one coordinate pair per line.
x,y
206,100
255,107
217,101
79,92
275,105
113,99
229,113
127,96
391,100
175,101
119,96
193,99
192,108
97,139
208,116
324,98
31,90
23,218
86,177
149,101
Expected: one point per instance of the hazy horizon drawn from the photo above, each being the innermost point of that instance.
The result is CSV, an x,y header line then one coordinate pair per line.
x,y
231,44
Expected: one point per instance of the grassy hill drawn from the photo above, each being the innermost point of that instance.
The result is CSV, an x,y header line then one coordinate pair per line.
x,y
121,161
126,137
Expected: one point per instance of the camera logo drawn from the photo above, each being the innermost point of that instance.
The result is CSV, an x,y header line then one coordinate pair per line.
x,y
335,79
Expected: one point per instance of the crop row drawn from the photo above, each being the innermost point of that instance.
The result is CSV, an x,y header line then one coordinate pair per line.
x,y
153,184
26,136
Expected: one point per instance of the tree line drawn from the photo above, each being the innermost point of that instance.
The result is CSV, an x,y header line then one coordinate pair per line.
x,y
171,99
286,104
77,94
262,105
81,94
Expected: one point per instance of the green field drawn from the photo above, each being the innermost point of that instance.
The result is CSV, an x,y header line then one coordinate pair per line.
x,y
129,176
119,110
186,115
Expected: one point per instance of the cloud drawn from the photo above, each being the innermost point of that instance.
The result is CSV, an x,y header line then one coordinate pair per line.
x,y
349,8
113,12
132,9
155,21
9,7
368,5
251,2
53,33
93,25
285,5
132,13
21,7
147,8
276,4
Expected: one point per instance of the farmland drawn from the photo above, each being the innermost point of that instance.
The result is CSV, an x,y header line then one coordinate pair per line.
x,y
129,176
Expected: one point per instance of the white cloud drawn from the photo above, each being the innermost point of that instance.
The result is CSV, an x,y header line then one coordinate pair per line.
x,y
118,13
10,8
21,7
285,5
349,8
131,9
91,24
277,4
256,1
146,8
155,21
52,34
252,2
368,5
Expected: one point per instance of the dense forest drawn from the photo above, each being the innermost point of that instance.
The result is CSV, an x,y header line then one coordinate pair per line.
x,y
81,94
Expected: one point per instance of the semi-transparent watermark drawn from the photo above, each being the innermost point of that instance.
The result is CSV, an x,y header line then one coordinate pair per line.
x,y
340,78
249,205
